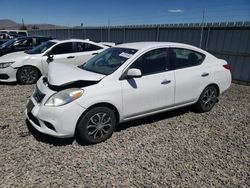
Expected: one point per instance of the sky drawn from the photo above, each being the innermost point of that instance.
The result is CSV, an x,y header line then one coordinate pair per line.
x,y
123,12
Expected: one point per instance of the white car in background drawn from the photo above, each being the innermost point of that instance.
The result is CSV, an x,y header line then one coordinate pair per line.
x,y
122,83
27,66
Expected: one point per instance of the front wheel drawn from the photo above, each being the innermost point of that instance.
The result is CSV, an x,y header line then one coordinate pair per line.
x,y
96,126
27,75
207,99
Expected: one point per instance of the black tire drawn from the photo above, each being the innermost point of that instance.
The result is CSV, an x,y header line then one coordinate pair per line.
x,y
207,99
95,126
27,75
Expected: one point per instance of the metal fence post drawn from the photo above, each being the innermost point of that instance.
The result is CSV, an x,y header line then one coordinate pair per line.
x,y
124,34
101,35
208,33
157,33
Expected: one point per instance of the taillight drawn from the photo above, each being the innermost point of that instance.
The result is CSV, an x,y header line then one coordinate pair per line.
x,y
227,66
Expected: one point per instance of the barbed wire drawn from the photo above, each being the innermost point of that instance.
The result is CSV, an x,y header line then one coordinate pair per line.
x,y
229,11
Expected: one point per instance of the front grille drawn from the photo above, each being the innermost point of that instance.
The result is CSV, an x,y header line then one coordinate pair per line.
x,y
38,95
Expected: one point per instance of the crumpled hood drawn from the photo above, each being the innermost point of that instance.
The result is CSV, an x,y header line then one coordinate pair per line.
x,y
62,75
15,56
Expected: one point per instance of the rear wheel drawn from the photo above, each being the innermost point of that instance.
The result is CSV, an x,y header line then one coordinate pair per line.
x,y
207,99
96,126
27,75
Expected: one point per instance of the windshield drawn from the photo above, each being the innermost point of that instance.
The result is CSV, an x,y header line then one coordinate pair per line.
x,y
8,43
109,60
41,48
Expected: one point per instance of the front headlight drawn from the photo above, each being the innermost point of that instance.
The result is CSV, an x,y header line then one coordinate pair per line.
x,y
5,64
64,97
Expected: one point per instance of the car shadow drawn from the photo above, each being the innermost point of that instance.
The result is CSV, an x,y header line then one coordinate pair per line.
x,y
8,83
153,118
123,126
48,139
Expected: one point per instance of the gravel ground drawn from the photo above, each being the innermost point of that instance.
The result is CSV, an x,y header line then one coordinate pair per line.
x,y
177,148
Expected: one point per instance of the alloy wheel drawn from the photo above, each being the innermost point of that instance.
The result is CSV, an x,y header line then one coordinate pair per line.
x,y
99,125
209,98
28,75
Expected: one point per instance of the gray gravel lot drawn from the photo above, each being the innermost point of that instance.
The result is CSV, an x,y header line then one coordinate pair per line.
x,y
178,148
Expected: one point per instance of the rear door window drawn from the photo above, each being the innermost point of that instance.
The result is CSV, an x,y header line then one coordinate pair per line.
x,y
85,47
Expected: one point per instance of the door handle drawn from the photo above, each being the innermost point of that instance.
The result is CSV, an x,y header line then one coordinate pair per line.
x,y
164,82
95,53
204,74
70,57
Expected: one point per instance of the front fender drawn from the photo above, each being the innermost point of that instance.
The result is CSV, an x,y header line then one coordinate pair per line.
x,y
28,62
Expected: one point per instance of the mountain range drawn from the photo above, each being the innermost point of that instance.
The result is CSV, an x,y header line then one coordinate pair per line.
x,y
11,25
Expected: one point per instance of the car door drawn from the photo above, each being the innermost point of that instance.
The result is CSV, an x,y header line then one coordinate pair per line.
x,y
63,53
60,53
84,51
191,76
154,90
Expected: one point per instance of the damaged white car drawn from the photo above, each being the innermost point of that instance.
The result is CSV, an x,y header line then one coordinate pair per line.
x,y
122,83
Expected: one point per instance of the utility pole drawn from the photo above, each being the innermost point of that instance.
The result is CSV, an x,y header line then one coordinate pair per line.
x,y
23,26
202,25
23,22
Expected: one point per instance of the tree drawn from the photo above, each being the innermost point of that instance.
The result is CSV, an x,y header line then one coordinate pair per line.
x,y
35,27
23,27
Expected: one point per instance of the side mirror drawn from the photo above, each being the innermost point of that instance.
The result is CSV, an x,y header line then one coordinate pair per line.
x,y
50,58
134,73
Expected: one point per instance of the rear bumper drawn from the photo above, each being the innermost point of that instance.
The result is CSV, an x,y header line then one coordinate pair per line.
x,y
226,81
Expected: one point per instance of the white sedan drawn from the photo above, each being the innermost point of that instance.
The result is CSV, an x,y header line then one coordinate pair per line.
x,y
122,83
27,66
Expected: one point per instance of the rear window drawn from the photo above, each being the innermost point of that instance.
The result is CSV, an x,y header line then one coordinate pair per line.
x,y
86,47
22,33
41,40
185,58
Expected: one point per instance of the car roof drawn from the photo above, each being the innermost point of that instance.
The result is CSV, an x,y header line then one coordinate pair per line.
x,y
28,37
78,40
148,45
69,40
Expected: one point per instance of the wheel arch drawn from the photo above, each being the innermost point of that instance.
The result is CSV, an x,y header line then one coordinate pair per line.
x,y
103,104
216,87
18,68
